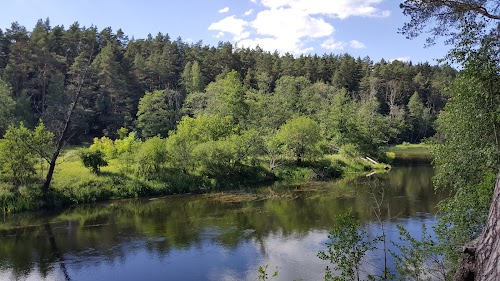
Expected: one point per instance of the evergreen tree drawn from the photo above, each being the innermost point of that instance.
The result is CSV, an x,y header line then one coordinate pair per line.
x,y
7,106
112,102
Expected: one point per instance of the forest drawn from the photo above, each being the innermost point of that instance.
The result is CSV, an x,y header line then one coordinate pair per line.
x,y
40,66
160,109
159,116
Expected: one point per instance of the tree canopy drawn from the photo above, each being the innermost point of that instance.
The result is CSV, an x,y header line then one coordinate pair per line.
x,y
468,25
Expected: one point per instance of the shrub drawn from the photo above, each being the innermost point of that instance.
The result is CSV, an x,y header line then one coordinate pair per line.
x,y
151,158
93,160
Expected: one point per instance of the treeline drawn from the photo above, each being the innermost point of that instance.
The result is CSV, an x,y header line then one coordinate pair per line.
x,y
148,85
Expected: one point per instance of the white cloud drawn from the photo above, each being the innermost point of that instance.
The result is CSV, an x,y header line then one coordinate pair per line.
x,y
242,36
356,44
231,25
402,59
290,23
293,25
224,10
285,30
219,35
249,12
282,45
331,44
339,8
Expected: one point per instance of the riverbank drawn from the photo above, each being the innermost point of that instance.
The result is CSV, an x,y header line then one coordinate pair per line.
x,y
421,153
74,184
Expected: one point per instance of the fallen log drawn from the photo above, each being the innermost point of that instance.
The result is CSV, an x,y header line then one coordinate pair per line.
x,y
370,160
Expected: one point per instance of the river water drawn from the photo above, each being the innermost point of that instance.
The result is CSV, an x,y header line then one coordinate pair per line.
x,y
212,237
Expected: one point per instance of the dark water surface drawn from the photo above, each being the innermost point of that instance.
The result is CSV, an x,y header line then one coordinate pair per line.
x,y
200,237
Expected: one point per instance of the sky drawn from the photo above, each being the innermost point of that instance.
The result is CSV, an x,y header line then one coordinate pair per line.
x,y
358,27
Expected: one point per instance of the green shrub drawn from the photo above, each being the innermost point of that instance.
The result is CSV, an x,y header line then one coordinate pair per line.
x,y
93,160
151,158
13,199
105,145
291,172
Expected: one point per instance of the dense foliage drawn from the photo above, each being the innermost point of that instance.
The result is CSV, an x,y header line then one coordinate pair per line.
x,y
39,70
167,116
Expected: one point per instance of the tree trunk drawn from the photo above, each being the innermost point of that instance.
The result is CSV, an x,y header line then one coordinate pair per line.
x,y
61,141
66,127
52,166
480,259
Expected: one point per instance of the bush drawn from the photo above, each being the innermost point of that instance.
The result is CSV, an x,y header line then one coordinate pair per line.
x,y
104,145
13,199
93,160
20,149
292,172
151,158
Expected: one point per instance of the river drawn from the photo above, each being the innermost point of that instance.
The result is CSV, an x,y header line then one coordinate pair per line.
x,y
212,237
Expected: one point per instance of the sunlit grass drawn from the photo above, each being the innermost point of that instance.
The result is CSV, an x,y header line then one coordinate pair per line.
x,y
350,165
407,151
410,148
75,184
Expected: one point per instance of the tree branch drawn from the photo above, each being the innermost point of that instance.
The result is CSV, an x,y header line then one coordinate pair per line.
x,y
464,7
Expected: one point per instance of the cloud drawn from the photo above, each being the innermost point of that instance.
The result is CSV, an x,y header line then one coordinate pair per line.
x,y
242,36
285,30
356,44
224,10
294,25
290,23
282,45
231,25
332,45
341,9
402,59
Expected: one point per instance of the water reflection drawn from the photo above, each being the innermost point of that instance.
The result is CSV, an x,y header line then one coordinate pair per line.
x,y
199,238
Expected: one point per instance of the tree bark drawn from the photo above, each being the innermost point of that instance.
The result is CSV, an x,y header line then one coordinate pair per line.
x,y
480,259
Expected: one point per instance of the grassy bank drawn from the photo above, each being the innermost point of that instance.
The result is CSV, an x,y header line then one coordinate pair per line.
x,y
409,152
74,184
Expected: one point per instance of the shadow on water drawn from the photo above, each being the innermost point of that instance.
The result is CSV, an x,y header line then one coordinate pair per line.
x,y
200,237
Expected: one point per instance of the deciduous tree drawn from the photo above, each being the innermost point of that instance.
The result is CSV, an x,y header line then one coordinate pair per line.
x,y
300,135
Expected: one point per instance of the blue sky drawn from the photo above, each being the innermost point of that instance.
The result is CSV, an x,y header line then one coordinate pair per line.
x,y
357,27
